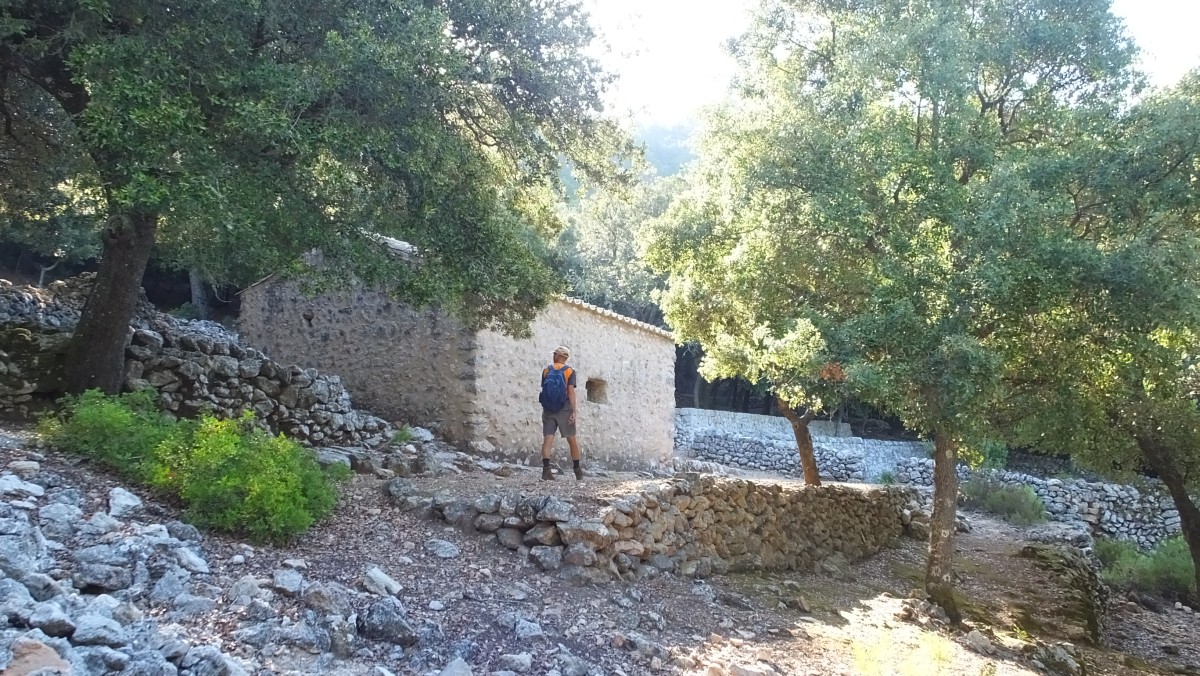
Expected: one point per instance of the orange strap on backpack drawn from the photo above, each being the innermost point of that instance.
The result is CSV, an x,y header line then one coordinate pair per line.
x,y
566,373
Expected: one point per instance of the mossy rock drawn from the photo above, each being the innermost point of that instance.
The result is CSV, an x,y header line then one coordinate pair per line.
x,y
31,360
1087,595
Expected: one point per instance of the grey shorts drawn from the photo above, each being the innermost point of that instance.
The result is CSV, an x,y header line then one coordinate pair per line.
x,y
557,422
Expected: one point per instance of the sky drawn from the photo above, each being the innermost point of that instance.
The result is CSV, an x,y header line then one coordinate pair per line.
x,y
669,56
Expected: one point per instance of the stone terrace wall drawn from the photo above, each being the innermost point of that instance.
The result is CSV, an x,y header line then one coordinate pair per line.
x,y
1144,516
401,363
767,443
690,422
631,427
191,365
692,525
775,455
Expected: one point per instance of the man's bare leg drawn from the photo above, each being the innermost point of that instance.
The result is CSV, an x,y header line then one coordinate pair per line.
x,y
547,447
576,456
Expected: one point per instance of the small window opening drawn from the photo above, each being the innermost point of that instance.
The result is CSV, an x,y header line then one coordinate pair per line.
x,y
597,391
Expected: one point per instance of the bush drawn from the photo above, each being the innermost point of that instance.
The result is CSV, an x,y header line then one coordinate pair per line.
x,y
887,478
230,475
121,433
988,454
1018,505
1167,571
402,436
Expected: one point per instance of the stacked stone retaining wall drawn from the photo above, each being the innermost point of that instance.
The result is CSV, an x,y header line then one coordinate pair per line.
x,y
1143,515
767,443
692,525
192,366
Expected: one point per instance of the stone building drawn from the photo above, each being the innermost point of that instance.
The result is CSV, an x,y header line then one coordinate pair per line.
x,y
479,389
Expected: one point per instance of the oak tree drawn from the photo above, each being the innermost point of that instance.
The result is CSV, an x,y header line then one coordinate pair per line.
x,y
869,181
263,130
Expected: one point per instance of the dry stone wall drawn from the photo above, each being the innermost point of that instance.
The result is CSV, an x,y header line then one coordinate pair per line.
x,y
400,363
767,443
774,455
191,365
690,422
1144,516
692,525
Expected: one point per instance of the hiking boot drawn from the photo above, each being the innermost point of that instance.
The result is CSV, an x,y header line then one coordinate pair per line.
x,y
547,475
578,473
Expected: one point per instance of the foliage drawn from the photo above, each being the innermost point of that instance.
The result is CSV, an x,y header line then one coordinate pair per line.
x,y
986,454
1167,571
599,253
185,311
884,194
668,148
230,475
233,476
121,432
241,136
887,479
49,200
1018,505
403,435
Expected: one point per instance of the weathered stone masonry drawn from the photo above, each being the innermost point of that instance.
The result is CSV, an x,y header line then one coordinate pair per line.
x,y
192,366
767,443
479,390
692,525
1144,516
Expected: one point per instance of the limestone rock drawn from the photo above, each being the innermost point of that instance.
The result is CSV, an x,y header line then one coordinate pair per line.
x,y
385,621
329,598
547,558
458,667
442,549
51,619
378,582
520,662
123,504
98,630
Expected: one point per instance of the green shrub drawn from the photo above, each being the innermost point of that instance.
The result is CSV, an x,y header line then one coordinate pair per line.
x,y
1016,504
988,454
402,436
121,432
1167,571
887,478
185,311
230,475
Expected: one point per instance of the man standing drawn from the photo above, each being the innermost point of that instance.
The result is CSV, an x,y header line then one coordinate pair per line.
x,y
558,411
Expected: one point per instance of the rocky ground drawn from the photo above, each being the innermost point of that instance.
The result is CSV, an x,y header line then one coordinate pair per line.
x,y
100,580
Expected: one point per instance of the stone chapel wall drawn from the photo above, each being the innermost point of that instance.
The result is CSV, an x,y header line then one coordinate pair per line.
x,y
408,366
627,420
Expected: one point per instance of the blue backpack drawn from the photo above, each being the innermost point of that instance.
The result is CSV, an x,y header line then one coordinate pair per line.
x,y
554,389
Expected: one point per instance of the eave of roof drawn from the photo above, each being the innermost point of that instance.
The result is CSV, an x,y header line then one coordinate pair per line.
x,y
603,312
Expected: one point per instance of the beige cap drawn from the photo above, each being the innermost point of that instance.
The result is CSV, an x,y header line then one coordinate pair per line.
x,y
563,350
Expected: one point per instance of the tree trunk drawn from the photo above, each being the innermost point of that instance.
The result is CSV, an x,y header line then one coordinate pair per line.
x,y
939,567
1189,513
199,295
808,458
96,356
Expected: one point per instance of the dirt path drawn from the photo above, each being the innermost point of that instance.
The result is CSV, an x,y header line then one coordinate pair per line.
x,y
843,621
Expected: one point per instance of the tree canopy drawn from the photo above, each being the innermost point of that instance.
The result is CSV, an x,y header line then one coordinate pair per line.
x,y
881,186
257,131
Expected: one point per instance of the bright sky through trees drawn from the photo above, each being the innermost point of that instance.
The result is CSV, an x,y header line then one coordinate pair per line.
x,y
671,61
